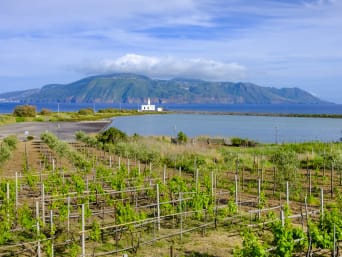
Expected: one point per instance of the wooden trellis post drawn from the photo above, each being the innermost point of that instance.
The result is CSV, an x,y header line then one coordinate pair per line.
x,y
83,232
331,180
236,193
282,217
158,206
43,203
164,175
16,191
128,167
51,232
287,193
38,230
322,203
310,183
68,222
8,201
259,199
196,177
181,215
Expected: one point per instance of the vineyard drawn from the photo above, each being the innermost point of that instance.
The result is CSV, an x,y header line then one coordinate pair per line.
x,y
110,194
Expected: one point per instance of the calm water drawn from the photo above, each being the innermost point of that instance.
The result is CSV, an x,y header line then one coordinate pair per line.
x,y
260,128
263,129
243,108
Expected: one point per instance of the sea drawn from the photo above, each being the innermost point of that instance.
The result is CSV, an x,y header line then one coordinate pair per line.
x,y
223,120
6,107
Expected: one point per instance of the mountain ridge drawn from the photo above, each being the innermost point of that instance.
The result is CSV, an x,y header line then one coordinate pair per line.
x,y
135,89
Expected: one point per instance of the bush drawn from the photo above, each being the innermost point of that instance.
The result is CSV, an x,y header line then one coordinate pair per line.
x,y
20,119
45,111
39,119
25,111
182,137
236,141
111,135
11,141
86,111
29,138
6,146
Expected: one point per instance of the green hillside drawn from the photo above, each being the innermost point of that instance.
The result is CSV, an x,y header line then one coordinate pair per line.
x,y
132,88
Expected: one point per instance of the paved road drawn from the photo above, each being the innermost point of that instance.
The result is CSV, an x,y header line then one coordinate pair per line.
x,y
64,130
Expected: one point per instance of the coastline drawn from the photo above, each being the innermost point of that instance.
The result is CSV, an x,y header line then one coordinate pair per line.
x,y
299,115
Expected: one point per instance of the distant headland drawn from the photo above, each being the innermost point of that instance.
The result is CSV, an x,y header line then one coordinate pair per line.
x,y
136,89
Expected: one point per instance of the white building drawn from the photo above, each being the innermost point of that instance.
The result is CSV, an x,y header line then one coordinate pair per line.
x,y
148,106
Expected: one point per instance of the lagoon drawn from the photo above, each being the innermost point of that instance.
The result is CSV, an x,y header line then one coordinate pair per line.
x,y
263,129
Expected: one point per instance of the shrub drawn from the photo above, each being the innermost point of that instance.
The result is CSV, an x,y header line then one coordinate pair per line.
x,y
39,119
6,146
45,111
20,119
86,111
25,111
29,138
11,141
111,135
236,141
182,137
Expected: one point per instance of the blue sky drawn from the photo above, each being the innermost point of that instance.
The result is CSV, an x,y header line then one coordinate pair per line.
x,y
274,43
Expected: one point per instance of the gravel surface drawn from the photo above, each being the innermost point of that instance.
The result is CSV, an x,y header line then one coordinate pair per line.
x,y
64,130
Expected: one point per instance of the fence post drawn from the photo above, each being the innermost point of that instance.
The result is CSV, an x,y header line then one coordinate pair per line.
x,y
196,180
158,206
334,250
164,174
282,217
322,203
212,185
8,201
181,214
310,183
83,233
51,232
38,230
331,180
274,180
16,192
287,193
43,203
128,167
259,199
236,193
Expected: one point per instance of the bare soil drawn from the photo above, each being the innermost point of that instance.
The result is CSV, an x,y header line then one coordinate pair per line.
x,y
64,130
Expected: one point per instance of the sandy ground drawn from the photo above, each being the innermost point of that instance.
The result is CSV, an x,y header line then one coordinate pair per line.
x,y
64,130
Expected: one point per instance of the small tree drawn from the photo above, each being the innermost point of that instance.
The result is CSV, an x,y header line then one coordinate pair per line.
x,y
86,111
112,135
25,111
181,137
45,111
287,164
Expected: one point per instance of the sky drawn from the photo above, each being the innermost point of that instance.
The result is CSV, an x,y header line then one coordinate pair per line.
x,y
273,43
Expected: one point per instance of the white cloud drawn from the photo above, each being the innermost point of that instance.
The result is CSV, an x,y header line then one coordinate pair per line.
x,y
294,43
169,67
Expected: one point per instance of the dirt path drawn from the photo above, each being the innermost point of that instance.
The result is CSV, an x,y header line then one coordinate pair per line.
x,y
64,130
17,162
